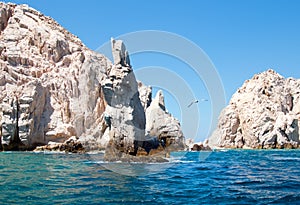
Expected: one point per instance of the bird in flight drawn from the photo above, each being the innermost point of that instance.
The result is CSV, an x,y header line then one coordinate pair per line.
x,y
196,101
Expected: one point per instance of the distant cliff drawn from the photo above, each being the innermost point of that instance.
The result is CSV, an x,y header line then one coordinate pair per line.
x,y
52,87
263,113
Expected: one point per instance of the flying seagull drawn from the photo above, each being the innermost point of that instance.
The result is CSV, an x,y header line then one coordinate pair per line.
x,y
196,101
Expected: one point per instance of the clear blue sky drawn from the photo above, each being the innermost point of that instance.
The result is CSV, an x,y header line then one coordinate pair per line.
x,y
241,38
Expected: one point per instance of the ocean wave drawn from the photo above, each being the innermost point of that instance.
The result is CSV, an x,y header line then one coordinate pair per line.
x,y
176,161
51,152
170,161
285,158
96,152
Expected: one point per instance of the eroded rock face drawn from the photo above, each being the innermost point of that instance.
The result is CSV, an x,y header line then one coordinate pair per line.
x,y
49,81
25,117
127,101
263,113
5,14
145,95
162,124
53,88
127,116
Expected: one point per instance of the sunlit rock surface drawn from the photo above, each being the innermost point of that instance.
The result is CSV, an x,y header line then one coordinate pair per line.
x,y
263,113
54,89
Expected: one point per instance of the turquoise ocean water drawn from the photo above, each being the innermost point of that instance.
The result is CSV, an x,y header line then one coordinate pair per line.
x,y
220,177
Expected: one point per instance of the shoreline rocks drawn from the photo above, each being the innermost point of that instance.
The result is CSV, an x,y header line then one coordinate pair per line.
x,y
71,145
201,146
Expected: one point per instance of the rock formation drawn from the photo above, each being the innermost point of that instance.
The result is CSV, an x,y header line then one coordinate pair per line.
x,y
200,147
49,80
124,108
70,145
263,113
145,95
53,88
162,124
127,102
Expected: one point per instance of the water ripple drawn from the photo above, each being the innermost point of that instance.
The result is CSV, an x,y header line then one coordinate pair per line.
x,y
231,177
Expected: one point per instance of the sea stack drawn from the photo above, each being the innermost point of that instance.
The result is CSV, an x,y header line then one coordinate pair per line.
x,y
123,105
264,113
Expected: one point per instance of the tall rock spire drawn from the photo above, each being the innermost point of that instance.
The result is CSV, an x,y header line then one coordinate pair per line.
x,y
123,103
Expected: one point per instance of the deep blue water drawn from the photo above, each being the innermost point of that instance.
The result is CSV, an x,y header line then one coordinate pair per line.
x,y
222,177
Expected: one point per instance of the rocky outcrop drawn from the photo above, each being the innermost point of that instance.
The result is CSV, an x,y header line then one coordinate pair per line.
x,y
70,145
201,147
124,109
112,153
127,102
162,124
53,88
263,113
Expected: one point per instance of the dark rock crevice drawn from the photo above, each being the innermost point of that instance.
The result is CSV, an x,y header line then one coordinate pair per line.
x,y
15,143
6,12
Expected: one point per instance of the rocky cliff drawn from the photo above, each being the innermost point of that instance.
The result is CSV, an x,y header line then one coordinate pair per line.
x,y
263,113
49,81
53,87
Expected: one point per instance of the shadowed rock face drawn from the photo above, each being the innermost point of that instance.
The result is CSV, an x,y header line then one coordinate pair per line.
x,y
263,113
123,102
53,88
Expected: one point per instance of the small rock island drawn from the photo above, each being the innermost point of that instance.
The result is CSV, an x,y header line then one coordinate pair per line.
x,y
263,114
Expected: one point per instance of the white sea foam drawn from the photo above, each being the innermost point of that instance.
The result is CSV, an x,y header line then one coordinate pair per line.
x,y
51,152
286,158
96,152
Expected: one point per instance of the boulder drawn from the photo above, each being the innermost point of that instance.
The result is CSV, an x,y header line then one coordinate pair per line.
x,y
263,113
200,147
